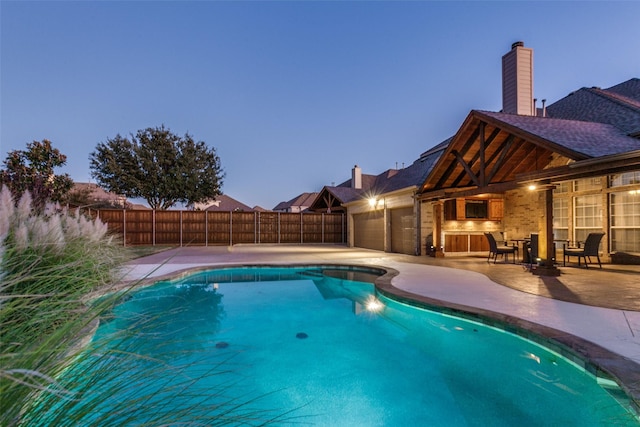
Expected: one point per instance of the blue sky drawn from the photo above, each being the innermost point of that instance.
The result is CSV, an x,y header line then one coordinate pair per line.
x,y
291,94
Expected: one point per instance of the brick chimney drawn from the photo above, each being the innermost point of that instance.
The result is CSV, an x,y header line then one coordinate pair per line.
x,y
517,81
356,177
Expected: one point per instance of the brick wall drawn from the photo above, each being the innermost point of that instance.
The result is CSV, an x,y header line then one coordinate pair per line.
x,y
523,210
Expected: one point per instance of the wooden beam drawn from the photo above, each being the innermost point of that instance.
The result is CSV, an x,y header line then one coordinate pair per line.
x,y
466,167
445,176
476,157
452,193
481,150
504,149
577,170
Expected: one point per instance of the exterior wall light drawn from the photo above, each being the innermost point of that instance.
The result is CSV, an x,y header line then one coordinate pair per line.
x,y
373,202
532,187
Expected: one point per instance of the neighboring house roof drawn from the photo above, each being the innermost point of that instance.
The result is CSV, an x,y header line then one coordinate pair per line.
x,y
618,105
225,203
97,193
303,200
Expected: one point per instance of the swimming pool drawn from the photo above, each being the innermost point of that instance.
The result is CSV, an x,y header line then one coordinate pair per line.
x,y
318,346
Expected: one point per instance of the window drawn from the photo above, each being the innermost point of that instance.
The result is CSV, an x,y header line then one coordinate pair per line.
x,y
561,187
587,184
561,219
587,212
625,221
628,178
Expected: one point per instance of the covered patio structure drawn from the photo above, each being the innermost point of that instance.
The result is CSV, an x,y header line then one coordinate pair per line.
x,y
502,172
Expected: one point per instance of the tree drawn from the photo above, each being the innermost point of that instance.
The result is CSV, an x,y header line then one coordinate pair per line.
x,y
32,170
158,166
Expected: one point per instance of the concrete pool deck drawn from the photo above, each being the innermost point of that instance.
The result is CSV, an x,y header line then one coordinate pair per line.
x,y
595,313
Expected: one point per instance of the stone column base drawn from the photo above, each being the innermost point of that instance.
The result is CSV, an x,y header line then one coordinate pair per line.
x,y
546,270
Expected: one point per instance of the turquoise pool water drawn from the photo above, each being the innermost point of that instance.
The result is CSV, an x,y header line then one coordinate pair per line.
x,y
316,346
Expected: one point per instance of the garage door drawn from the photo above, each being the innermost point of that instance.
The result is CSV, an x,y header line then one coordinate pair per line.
x,y
402,231
368,230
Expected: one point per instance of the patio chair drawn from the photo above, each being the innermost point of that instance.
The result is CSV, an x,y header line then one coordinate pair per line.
x,y
590,248
496,250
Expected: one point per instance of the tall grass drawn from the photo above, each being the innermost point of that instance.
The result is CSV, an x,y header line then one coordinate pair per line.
x,y
51,374
49,261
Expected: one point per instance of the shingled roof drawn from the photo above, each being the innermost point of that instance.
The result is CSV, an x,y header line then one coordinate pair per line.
x,y
413,175
386,182
367,182
618,106
303,201
224,203
395,179
588,138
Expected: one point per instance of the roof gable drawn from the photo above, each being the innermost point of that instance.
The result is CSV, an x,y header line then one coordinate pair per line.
x,y
491,149
303,200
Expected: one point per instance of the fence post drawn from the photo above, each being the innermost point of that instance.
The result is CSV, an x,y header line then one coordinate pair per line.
x,y
206,228
322,222
278,227
342,219
230,228
180,228
256,237
256,227
301,229
124,227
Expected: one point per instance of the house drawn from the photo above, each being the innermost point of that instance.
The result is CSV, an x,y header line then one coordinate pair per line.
x,y
88,194
386,216
298,204
331,199
562,172
223,203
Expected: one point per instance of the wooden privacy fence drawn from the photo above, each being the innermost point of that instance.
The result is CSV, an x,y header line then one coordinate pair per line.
x,y
151,227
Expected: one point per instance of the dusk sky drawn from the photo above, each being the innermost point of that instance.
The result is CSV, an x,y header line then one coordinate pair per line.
x,y
291,94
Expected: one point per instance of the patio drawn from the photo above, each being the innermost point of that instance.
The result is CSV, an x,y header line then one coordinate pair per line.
x,y
595,313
